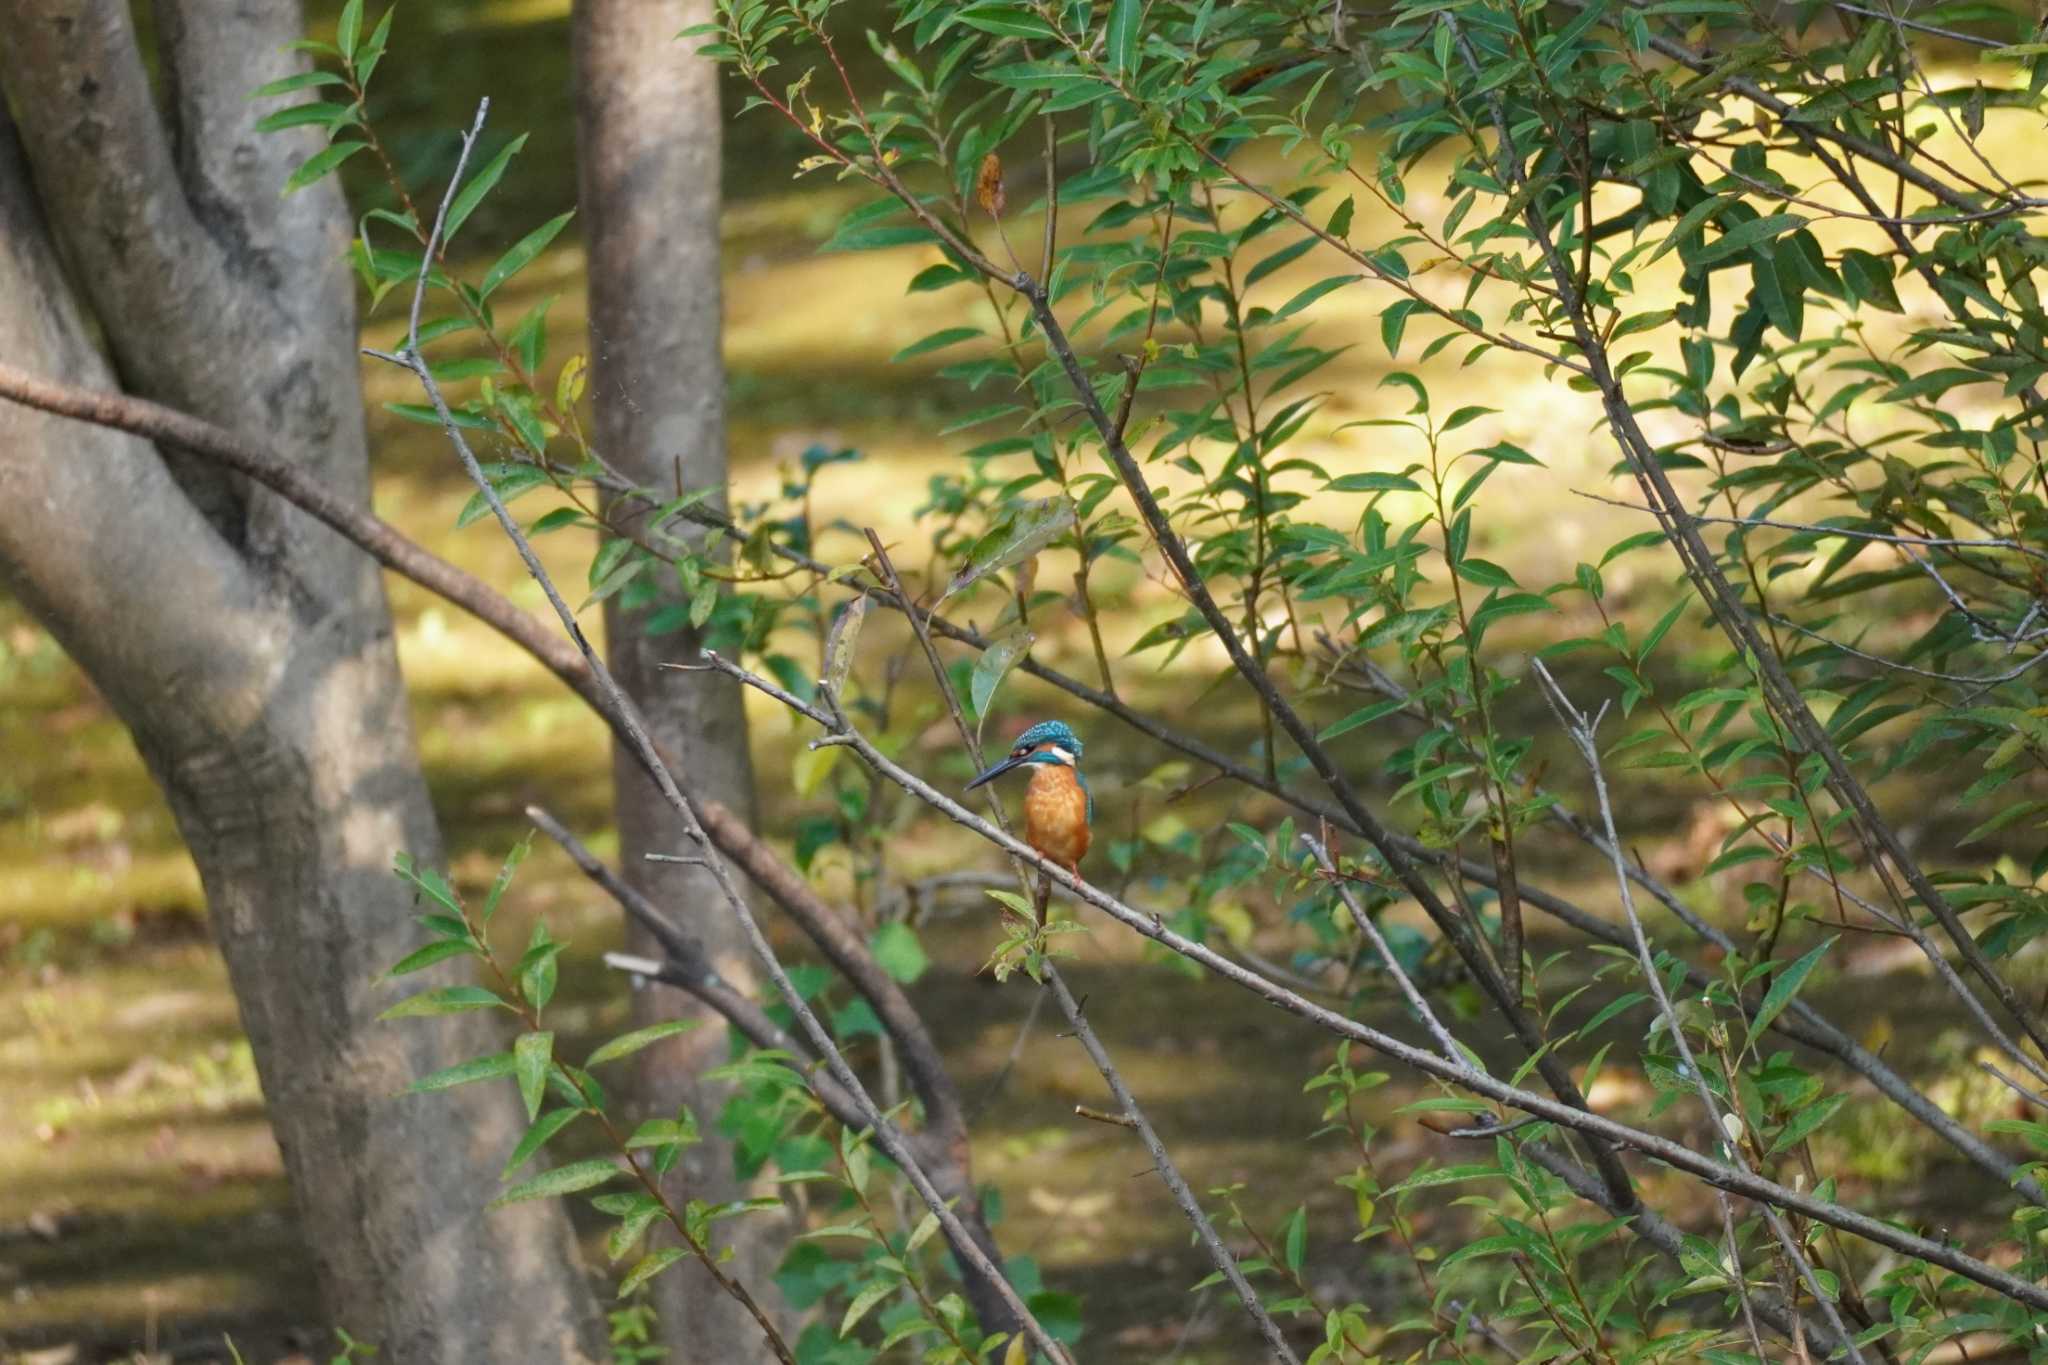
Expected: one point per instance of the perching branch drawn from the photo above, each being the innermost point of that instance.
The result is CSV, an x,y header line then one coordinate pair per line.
x,y
619,708
1580,730
377,538
1169,1174
1609,1132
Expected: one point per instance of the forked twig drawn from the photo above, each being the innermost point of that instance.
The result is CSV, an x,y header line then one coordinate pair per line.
x,y
619,708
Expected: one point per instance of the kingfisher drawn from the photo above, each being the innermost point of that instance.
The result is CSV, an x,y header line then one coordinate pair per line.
x,y
1057,804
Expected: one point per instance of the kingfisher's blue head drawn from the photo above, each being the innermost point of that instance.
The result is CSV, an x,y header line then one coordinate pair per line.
x,y
1049,741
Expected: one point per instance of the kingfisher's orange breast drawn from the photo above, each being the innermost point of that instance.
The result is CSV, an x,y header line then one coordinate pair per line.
x,y
1056,814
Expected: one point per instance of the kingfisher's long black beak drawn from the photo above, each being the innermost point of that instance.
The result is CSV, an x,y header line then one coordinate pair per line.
x,y
993,773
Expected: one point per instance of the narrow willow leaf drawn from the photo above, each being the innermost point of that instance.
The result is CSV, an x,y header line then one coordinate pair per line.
x,y
522,253
324,114
1123,34
951,336
862,1302
429,955
991,668
649,1266
1785,986
530,1058
513,859
349,27
626,1044
305,80
479,185
537,1136
1032,527
1746,236
446,1000
462,1073
320,164
569,1179
840,645
1295,1239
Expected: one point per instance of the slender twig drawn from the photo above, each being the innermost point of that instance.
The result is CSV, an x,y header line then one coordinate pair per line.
x,y
1820,528
621,709
1371,929
1580,730
1077,1021
393,550
1784,696
1747,1184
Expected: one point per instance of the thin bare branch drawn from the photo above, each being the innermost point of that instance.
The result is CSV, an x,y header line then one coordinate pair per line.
x,y
1610,1132
621,709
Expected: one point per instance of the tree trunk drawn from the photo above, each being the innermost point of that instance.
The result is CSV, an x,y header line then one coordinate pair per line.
x,y
248,649
648,142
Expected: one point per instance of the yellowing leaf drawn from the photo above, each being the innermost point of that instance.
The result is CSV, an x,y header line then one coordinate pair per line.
x,y
811,768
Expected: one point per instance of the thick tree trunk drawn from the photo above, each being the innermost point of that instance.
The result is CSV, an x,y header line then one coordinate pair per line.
x,y
247,648
648,129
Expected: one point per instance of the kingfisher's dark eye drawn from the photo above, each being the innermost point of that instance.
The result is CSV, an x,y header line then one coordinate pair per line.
x,y
1020,751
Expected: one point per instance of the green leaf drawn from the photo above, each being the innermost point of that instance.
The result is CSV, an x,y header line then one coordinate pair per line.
x,y
662,1132
1780,290
1663,626
348,29
626,1044
1746,235
429,955
289,85
1365,715
1373,483
481,184
1294,1238
1394,322
513,858
951,336
1785,986
320,164
569,1179
898,951
463,1073
991,668
1484,572
1311,294
863,1301
530,1058
522,253
510,479
446,1000
1008,21
1689,226
1124,26
649,1266
537,1137
1029,528
326,115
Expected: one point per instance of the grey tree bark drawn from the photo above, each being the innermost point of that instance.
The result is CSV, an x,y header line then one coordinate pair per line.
x,y
248,649
649,164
